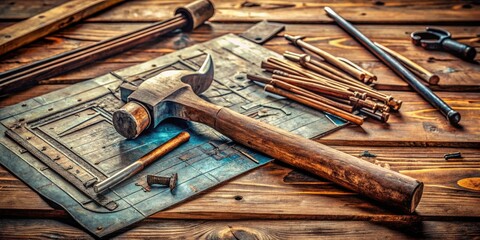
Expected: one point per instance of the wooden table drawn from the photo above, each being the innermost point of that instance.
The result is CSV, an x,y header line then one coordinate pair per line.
x,y
275,200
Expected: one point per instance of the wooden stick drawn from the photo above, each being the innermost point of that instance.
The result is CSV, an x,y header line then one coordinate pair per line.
x,y
331,69
297,70
42,24
315,75
305,61
318,66
369,77
282,82
316,69
394,104
328,57
315,104
305,75
423,73
341,86
312,86
299,90
310,95
357,92
142,162
315,87
275,66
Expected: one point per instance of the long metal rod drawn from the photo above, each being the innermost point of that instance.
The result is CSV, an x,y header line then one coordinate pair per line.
x,y
22,77
452,115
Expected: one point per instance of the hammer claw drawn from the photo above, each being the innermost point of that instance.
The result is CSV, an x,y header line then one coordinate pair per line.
x,y
202,79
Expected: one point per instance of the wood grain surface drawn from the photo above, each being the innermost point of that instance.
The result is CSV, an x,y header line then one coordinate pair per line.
x,y
303,196
276,201
231,230
305,11
35,27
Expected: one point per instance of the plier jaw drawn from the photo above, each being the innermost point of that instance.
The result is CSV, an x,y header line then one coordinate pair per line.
x,y
431,38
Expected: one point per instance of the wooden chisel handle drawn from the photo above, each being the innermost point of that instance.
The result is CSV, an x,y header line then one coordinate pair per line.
x,y
142,162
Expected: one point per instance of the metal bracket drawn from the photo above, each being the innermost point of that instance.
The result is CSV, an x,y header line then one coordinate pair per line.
x,y
262,32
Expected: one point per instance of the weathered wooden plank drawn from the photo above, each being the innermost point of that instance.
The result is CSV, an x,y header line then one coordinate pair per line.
x,y
18,10
306,11
275,191
455,74
40,25
178,229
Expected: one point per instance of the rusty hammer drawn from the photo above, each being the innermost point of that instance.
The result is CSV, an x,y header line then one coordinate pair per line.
x,y
174,94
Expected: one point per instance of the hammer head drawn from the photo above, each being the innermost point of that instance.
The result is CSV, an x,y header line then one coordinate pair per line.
x,y
148,104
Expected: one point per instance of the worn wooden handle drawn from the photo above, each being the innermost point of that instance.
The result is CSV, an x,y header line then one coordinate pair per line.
x,y
383,185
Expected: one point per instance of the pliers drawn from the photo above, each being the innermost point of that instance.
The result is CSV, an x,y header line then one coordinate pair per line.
x,y
439,39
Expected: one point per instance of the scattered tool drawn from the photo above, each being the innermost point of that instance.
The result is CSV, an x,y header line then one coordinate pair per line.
x,y
452,115
415,68
170,182
173,94
307,98
325,88
320,67
439,39
187,18
298,41
452,155
141,163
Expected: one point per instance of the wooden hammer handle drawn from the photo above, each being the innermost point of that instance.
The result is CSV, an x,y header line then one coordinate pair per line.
x,y
383,185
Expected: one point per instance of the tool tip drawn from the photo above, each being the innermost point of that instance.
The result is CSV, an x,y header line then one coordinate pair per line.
x,y
288,37
328,10
454,117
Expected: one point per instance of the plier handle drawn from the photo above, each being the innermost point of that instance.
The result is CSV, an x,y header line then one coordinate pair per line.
x,y
439,39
